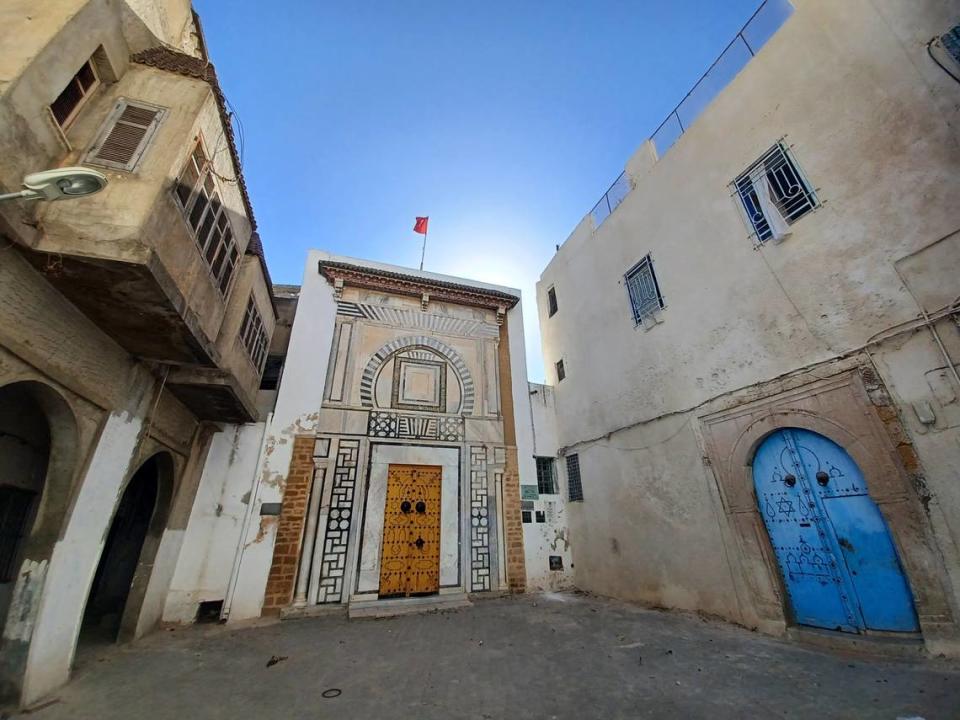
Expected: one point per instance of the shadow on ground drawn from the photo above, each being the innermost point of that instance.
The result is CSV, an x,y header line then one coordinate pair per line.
x,y
529,656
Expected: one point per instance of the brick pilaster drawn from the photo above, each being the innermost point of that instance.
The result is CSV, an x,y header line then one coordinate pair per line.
x,y
286,549
512,520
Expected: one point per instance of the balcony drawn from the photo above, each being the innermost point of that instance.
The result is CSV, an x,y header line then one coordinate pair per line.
x,y
159,260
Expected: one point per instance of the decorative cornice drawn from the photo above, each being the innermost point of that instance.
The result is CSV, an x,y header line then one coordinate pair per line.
x,y
344,274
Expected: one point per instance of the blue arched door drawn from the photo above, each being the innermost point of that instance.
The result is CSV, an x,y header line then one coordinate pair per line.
x,y
838,562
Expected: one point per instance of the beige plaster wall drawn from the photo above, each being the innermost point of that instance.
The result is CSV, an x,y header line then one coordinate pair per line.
x,y
136,218
148,23
50,48
112,420
848,87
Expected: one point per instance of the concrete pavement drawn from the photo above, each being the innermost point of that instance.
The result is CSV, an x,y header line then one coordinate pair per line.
x,y
531,656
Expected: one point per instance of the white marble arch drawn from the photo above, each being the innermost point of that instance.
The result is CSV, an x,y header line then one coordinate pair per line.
x,y
382,456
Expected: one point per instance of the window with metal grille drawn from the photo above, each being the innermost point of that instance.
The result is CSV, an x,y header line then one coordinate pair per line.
x,y
15,506
574,486
124,137
270,379
561,372
546,481
196,192
254,335
81,86
552,301
643,290
788,189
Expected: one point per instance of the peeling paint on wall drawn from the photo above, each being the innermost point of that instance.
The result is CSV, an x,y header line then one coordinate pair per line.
x,y
25,602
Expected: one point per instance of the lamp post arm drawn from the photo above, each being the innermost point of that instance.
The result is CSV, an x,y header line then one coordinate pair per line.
x,y
22,195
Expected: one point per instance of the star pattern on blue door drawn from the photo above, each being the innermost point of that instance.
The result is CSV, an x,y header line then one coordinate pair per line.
x,y
785,507
814,500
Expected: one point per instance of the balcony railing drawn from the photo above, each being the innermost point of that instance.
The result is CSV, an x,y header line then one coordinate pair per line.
x,y
763,24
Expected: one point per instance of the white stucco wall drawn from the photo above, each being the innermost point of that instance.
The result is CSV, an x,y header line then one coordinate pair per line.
x,y
541,540
298,406
213,533
521,397
297,411
75,557
850,89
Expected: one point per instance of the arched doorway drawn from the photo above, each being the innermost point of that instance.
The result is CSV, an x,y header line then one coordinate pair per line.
x,y
24,456
39,444
838,562
140,516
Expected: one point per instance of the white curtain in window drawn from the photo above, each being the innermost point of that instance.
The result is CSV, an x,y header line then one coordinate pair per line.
x,y
775,220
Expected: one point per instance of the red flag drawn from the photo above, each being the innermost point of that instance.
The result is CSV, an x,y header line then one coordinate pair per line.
x,y
420,226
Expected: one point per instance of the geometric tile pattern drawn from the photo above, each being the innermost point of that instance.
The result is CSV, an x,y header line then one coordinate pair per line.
x,y
403,426
419,320
479,521
411,343
432,389
334,560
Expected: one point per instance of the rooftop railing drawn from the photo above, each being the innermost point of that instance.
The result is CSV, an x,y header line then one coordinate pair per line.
x,y
761,26
611,198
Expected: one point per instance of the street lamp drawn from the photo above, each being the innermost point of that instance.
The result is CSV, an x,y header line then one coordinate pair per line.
x,y
59,184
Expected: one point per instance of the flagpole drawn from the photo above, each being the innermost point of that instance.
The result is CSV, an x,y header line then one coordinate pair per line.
x,y
423,250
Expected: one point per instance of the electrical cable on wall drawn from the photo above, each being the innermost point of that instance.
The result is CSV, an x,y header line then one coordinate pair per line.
x,y
213,156
936,41
234,115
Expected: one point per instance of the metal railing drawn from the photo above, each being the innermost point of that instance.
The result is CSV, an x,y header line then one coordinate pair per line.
x,y
761,26
611,198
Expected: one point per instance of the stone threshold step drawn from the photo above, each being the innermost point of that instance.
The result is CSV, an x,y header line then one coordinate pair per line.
x,y
309,611
406,606
900,645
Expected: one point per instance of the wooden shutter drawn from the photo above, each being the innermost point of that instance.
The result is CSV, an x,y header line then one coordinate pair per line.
x,y
125,135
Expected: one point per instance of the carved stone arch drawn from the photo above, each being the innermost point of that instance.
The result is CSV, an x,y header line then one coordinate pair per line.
x,y
838,409
370,372
58,480
753,435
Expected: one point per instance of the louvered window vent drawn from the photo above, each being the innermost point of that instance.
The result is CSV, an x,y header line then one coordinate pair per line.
x,y
125,135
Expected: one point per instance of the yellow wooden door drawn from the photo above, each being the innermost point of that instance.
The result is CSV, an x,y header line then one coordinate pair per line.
x,y
410,557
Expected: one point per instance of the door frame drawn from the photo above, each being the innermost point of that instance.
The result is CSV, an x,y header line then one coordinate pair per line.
x,y
362,563
853,410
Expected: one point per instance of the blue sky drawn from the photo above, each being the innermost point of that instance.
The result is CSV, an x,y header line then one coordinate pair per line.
x,y
503,121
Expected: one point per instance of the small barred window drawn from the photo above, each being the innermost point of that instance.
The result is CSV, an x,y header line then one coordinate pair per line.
x,y
574,486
